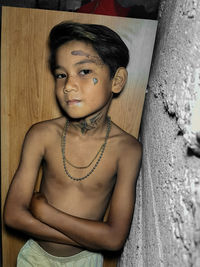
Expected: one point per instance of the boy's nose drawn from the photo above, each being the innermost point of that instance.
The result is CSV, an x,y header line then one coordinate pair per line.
x,y
70,85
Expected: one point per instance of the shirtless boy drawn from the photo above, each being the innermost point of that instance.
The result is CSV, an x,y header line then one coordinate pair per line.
x,y
88,161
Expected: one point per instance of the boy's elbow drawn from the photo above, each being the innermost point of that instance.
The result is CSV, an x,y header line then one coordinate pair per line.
x,y
12,218
8,218
114,243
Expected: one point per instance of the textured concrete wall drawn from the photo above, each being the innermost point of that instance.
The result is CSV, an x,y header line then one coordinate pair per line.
x,y
166,226
150,5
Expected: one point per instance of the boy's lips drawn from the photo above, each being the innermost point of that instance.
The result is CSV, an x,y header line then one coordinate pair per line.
x,y
73,101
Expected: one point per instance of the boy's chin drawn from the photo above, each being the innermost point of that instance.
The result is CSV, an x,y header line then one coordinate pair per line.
x,y
77,117
78,114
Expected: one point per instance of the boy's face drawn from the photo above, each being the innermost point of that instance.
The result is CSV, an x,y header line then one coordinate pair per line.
x,y
82,81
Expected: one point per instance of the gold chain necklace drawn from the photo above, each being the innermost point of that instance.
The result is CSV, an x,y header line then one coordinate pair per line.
x,y
87,166
100,153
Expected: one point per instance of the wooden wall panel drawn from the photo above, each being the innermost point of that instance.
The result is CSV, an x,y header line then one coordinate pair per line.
x,y
27,89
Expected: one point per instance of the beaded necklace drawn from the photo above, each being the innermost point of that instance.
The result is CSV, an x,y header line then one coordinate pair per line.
x,y
99,153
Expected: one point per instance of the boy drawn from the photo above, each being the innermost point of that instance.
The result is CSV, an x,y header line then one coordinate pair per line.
x,y
88,161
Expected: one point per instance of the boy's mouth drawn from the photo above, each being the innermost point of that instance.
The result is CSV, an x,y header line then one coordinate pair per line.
x,y
73,102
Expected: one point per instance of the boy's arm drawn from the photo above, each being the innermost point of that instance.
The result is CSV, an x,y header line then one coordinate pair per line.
x,y
109,235
16,210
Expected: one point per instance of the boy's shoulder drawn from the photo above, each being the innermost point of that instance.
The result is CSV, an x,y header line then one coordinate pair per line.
x,y
126,142
47,128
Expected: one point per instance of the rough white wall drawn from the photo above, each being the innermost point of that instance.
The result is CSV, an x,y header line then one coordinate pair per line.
x,y
166,226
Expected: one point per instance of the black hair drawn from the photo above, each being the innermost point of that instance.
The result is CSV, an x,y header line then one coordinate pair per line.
x,y
107,43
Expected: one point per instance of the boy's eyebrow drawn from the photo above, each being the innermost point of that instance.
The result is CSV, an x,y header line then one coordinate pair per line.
x,y
59,67
84,61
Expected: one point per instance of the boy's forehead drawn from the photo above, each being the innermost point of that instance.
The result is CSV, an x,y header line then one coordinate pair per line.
x,y
80,49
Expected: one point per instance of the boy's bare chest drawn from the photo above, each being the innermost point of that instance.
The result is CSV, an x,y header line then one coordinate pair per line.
x,y
79,161
67,186
86,169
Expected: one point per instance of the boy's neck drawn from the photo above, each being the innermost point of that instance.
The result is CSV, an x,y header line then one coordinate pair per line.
x,y
93,123
90,124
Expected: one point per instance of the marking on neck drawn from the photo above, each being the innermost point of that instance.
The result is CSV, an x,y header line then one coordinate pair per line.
x,y
89,124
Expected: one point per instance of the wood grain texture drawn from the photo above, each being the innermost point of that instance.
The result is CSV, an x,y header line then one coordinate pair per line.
x,y
27,89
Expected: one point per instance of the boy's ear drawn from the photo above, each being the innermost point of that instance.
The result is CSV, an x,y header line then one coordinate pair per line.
x,y
119,80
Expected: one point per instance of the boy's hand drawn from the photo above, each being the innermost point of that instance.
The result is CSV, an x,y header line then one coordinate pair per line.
x,y
38,205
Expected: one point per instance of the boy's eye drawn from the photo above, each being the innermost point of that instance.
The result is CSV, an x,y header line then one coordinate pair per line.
x,y
85,72
60,76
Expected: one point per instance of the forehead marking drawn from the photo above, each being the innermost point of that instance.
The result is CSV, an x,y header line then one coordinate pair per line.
x,y
80,53
96,59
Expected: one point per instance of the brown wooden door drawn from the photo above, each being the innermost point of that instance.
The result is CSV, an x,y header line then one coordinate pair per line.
x,y
27,89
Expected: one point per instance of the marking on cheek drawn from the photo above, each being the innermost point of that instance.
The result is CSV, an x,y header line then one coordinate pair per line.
x,y
95,81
